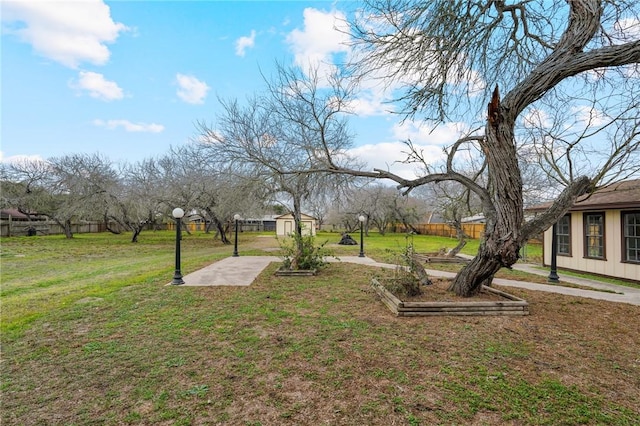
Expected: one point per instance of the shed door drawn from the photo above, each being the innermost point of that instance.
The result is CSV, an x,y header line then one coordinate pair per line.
x,y
288,227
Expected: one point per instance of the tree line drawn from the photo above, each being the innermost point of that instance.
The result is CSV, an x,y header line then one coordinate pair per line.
x,y
141,195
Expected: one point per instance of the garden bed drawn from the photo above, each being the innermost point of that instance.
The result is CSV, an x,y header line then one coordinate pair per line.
x,y
437,301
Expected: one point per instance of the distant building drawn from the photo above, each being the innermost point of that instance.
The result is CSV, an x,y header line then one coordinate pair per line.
x,y
479,218
15,214
285,225
264,223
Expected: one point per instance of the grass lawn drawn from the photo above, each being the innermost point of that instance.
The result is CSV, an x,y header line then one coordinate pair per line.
x,y
91,334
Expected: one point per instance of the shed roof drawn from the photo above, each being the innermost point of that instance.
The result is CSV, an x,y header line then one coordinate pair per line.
x,y
290,216
15,214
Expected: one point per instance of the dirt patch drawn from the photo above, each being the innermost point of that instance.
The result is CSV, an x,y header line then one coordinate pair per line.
x,y
437,292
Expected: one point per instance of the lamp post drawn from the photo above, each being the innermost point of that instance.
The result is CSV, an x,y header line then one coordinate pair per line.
x,y
553,274
236,217
177,275
361,219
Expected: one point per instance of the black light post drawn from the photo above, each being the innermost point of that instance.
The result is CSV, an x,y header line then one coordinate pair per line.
x,y
361,219
236,217
553,274
177,275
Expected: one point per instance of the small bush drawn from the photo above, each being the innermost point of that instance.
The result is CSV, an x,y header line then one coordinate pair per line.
x,y
300,252
405,281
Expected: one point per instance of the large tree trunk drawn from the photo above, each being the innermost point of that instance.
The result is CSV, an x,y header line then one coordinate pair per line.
x,y
478,272
505,214
505,231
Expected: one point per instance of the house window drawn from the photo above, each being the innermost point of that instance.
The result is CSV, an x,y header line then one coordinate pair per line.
x,y
563,236
631,236
594,235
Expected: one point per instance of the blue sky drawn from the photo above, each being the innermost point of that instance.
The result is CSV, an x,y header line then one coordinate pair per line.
x,y
129,79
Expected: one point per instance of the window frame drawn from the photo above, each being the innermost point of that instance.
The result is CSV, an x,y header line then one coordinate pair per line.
x,y
588,236
568,253
625,247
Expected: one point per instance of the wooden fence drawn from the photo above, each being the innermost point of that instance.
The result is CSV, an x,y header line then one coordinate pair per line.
x,y
473,230
9,228
17,228
190,226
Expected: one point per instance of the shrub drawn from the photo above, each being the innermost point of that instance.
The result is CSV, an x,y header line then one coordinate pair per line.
x,y
300,252
408,276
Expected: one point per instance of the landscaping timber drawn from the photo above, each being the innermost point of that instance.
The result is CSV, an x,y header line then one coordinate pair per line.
x,y
282,272
510,306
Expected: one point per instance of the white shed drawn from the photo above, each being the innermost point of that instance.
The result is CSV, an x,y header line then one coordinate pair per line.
x,y
285,225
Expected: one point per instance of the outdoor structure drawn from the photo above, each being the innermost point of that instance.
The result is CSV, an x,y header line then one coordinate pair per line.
x,y
600,234
264,223
286,226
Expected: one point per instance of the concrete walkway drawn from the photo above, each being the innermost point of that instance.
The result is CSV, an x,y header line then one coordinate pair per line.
x,y
240,271
243,270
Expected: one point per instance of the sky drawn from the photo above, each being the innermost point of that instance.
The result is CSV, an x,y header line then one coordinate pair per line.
x,y
130,79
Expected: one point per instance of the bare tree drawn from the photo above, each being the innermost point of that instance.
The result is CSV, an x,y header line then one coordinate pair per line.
x,y
208,188
451,57
23,186
74,186
137,202
385,207
82,184
275,137
453,202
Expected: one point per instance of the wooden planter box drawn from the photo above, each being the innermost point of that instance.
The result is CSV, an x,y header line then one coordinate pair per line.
x,y
435,258
511,306
295,272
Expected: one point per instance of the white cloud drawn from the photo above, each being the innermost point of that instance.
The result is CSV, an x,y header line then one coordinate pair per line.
x,y
428,142
370,103
324,34
423,134
243,43
20,158
190,89
537,118
68,32
97,86
589,116
627,29
129,126
389,156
